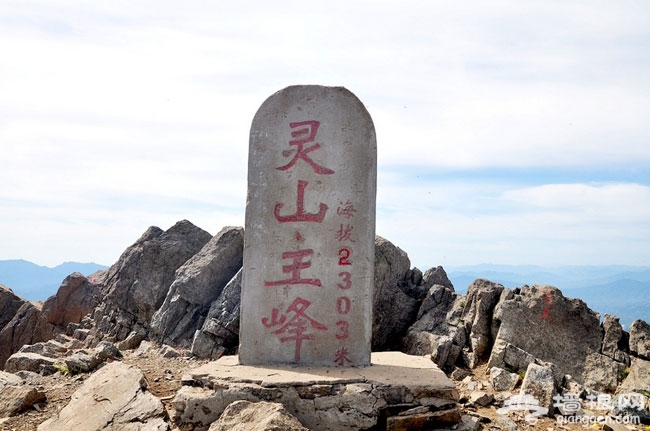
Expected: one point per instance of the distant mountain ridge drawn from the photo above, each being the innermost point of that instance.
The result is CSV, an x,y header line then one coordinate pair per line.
x,y
37,283
619,290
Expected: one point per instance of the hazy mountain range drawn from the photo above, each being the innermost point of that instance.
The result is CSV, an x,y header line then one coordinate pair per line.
x,y
623,291
37,283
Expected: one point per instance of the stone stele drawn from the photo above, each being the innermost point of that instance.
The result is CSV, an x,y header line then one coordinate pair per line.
x,y
310,228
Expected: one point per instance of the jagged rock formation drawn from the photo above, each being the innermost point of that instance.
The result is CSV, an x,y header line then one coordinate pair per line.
x,y
220,331
182,288
198,283
138,283
28,323
77,296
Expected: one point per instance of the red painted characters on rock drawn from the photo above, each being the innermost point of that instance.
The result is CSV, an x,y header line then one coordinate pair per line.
x,y
294,269
295,327
306,133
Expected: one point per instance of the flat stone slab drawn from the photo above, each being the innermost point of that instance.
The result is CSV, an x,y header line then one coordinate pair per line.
x,y
325,398
388,368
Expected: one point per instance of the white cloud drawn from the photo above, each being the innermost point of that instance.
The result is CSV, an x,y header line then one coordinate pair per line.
x,y
118,115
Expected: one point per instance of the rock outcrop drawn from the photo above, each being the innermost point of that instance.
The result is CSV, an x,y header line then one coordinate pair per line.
x,y
77,296
220,331
112,399
25,327
541,322
640,339
198,283
439,330
393,309
138,283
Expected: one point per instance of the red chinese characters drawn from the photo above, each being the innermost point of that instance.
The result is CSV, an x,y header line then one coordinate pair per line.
x,y
308,128
300,214
343,303
297,327
294,269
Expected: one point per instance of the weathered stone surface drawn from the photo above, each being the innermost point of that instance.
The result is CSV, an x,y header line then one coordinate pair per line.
x,y
106,350
436,275
480,398
550,327
76,297
198,283
132,341
322,398
310,230
81,362
26,327
615,340
27,362
638,379
138,283
439,330
431,420
113,398
393,309
640,339
220,331
602,373
482,296
9,379
503,380
51,348
539,382
10,303
16,399
505,355
260,416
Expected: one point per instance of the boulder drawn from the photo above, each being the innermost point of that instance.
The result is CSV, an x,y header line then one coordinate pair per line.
x,y
602,373
137,284
260,416
482,296
615,340
76,297
437,276
503,380
640,339
539,383
26,327
113,398
15,399
81,362
507,356
540,321
9,379
393,309
106,351
220,330
51,349
439,330
198,283
638,378
29,362
10,303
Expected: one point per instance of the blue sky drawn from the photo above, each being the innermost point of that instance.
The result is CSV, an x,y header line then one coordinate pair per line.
x,y
508,132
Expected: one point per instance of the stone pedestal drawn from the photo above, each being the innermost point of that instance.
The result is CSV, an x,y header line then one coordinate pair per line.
x,y
396,392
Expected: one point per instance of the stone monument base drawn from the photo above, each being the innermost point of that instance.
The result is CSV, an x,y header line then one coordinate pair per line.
x,y
397,392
